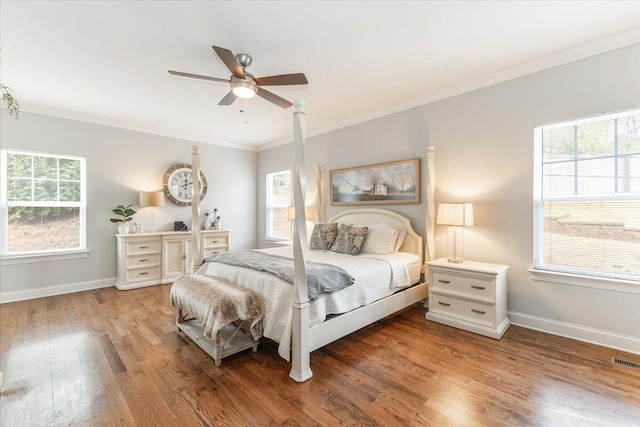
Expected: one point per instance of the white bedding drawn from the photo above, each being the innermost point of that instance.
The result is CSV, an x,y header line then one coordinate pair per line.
x,y
377,276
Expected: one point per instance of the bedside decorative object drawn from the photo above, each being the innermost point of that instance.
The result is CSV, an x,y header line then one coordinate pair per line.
x,y
177,184
213,220
179,226
151,199
458,215
126,214
470,296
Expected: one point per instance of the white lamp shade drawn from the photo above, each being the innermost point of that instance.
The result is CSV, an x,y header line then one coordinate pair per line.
x,y
151,199
458,214
291,213
310,213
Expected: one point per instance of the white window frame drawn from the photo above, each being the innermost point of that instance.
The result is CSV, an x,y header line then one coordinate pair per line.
x,y
569,275
270,206
81,251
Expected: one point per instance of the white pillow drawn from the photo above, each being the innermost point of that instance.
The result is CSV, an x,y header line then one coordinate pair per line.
x,y
381,239
401,235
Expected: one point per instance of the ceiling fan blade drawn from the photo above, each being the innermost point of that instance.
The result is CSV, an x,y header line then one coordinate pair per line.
x,y
228,99
196,76
230,61
283,79
272,97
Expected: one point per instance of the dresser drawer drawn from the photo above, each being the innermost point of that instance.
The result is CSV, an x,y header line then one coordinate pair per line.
x,y
142,247
213,251
144,260
470,286
462,309
143,274
215,241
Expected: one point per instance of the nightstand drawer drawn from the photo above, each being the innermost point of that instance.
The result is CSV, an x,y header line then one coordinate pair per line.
x,y
471,286
143,274
145,260
142,247
462,309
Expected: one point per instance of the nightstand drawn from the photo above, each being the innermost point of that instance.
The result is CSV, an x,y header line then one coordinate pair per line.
x,y
470,296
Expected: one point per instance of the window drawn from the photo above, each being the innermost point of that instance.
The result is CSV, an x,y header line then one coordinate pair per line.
x,y
43,203
587,197
278,201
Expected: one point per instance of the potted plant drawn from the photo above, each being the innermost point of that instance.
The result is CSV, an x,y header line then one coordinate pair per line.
x,y
126,214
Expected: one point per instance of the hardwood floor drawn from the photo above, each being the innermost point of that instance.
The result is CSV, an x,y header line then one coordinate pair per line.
x,y
110,357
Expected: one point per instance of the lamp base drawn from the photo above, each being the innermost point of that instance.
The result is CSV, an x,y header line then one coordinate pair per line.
x,y
455,260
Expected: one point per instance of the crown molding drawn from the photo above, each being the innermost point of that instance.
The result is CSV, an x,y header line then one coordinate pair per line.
x,y
81,117
607,44
597,47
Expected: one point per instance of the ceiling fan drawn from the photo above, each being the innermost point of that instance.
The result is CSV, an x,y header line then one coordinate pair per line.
x,y
244,84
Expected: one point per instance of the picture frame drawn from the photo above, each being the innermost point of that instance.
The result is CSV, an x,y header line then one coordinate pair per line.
x,y
390,183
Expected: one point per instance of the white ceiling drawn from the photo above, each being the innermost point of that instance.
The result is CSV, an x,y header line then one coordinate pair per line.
x,y
107,62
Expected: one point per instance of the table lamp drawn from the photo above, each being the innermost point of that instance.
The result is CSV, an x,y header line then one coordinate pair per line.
x,y
457,215
151,199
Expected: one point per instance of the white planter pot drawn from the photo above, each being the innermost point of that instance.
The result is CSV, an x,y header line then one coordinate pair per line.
x,y
123,228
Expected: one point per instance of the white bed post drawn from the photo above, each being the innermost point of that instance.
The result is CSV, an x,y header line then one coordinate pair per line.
x,y
196,252
300,360
431,216
319,195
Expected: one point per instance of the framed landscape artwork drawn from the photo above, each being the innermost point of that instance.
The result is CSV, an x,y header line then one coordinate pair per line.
x,y
390,183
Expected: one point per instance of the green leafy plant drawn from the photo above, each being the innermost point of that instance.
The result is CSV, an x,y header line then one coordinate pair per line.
x,y
7,97
12,104
125,212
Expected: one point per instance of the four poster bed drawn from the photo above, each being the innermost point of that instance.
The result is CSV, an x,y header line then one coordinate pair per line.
x,y
384,284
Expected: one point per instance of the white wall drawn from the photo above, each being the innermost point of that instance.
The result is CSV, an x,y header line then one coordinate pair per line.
x,y
120,163
484,155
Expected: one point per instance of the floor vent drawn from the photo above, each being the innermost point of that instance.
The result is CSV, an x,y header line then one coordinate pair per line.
x,y
626,363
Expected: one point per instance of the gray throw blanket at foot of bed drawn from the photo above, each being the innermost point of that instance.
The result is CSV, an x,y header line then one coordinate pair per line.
x,y
321,278
217,302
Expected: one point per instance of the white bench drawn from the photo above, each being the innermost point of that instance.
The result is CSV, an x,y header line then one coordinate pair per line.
x,y
221,317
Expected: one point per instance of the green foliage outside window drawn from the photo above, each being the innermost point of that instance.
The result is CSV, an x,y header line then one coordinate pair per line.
x,y
32,178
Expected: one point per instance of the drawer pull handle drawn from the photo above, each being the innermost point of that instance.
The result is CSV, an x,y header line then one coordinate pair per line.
x,y
477,311
144,247
477,287
443,281
144,260
444,303
143,273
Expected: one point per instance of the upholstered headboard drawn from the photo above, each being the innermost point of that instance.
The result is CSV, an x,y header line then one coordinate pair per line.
x,y
412,242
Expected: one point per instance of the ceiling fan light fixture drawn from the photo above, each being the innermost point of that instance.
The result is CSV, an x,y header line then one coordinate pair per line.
x,y
244,89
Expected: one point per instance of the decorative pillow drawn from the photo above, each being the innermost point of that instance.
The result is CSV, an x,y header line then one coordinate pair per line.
x,y
323,236
349,239
401,235
381,239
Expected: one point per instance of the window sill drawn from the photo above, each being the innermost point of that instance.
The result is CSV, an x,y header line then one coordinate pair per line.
x,y
53,256
618,285
271,241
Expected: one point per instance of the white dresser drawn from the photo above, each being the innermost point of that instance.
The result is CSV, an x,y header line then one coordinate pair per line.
x,y
146,259
469,295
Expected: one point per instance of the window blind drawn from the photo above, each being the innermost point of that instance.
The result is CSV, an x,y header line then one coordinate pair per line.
x,y
587,210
